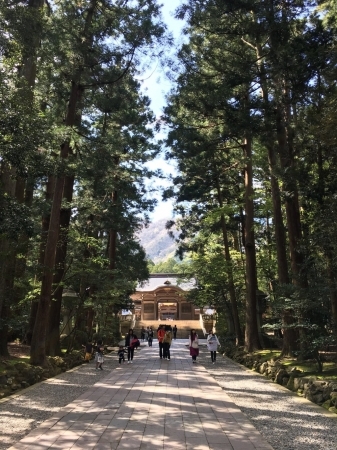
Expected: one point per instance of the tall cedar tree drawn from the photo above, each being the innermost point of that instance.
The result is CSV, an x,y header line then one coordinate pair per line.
x,y
103,40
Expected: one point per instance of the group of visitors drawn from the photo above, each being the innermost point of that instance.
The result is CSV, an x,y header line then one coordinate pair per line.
x,y
164,336
212,345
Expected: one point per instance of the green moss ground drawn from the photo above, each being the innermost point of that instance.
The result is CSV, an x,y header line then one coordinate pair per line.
x,y
309,368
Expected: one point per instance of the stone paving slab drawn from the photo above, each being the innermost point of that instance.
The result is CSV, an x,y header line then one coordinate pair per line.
x,y
151,404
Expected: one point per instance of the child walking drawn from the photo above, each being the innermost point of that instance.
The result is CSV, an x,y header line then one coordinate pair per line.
x,y
99,355
121,353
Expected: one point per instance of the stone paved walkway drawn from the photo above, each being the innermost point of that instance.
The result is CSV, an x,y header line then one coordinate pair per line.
x,y
151,404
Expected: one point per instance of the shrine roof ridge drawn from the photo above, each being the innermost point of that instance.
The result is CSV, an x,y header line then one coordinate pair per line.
x,y
157,280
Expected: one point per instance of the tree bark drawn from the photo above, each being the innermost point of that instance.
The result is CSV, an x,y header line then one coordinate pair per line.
x,y
231,287
229,271
112,239
251,332
62,184
333,289
50,187
38,345
7,186
4,330
292,206
289,334
26,75
284,134
53,347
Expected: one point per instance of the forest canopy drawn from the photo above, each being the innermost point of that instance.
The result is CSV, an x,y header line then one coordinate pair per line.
x,y
251,128
76,132
252,131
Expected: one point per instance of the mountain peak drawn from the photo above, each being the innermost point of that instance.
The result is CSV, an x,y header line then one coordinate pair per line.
x,y
159,246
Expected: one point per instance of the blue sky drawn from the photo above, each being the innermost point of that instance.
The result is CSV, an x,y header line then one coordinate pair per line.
x,y
156,86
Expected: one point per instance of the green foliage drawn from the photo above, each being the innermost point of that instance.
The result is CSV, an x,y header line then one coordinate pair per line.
x,y
99,47
276,60
168,266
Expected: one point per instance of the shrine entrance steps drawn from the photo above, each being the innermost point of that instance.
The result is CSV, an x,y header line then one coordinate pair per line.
x,y
184,326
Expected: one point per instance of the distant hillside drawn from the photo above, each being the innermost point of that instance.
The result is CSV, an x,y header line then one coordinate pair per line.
x,y
156,241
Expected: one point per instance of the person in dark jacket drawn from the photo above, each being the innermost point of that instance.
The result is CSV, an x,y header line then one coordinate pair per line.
x,y
131,349
121,352
150,337
142,334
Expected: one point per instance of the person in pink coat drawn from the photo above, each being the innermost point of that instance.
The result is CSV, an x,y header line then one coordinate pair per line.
x,y
194,345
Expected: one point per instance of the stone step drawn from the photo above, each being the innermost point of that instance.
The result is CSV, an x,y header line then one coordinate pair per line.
x,y
184,326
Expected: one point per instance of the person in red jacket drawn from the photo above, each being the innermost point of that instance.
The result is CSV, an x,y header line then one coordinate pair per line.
x,y
160,336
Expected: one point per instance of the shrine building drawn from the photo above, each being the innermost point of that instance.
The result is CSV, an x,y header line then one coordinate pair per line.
x,y
161,297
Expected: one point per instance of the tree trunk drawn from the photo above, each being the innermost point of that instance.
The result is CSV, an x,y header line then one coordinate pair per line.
x,y
289,334
27,74
59,252
50,187
231,287
284,134
229,271
7,187
23,246
333,289
4,330
53,347
292,207
38,345
251,333
90,321
228,316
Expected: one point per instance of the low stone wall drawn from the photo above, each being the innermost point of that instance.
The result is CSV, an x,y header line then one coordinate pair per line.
x,y
323,393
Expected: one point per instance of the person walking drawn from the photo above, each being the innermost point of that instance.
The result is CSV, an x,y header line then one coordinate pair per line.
x,y
150,337
146,337
194,345
99,355
142,334
175,329
128,344
167,340
212,344
121,354
160,336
